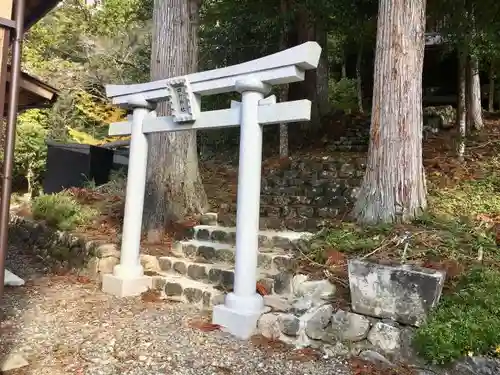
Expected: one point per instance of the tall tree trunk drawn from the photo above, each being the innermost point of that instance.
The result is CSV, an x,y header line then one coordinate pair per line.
x,y
315,85
284,90
474,109
394,187
174,188
491,95
343,71
359,82
322,72
461,104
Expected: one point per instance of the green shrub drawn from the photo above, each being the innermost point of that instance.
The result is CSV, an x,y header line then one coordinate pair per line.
x,y
467,321
31,150
61,211
343,94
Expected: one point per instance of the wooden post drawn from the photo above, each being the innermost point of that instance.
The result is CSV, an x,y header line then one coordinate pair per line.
x,y
5,12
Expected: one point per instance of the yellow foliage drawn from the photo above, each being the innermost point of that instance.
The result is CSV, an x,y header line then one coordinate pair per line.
x,y
82,137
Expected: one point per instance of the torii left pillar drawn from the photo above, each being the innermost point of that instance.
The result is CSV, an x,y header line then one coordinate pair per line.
x,y
128,277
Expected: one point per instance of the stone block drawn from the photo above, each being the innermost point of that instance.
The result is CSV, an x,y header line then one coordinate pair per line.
x,y
476,366
120,287
277,303
193,295
289,324
269,327
165,263
404,293
13,362
317,321
150,263
385,336
347,326
209,218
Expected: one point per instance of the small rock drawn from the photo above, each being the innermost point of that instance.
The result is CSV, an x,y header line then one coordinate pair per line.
x,y
12,362
297,281
106,265
282,282
218,299
385,336
92,267
301,305
193,295
476,366
289,324
12,280
316,289
361,346
374,357
173,289
349,326
150,263
107,250
336,350
318,321
268,326
277,303
209,218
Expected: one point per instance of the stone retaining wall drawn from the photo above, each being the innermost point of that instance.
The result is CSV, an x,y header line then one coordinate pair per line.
x,y
304,194
309,318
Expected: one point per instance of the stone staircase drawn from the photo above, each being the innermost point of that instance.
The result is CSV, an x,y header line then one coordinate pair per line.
x,y
200,269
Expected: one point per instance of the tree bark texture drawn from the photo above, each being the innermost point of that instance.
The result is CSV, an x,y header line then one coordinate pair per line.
x,y
359,82
315,86
475,110
491,94
174,188
461,104
283,131
394,187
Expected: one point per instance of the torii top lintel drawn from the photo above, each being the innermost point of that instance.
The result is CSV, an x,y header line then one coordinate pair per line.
x,y
282,67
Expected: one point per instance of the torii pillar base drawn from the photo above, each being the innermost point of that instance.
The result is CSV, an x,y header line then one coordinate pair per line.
x,y
239,315
119,286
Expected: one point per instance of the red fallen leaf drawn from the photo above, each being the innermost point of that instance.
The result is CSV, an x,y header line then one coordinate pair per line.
x,y
261,289
83,280
304,355
151,296
204,326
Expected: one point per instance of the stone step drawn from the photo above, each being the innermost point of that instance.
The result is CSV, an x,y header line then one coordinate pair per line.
x,y
227,235
220,275
212,252
183,289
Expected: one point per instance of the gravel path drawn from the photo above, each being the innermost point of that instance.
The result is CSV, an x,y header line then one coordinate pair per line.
x,y
64,326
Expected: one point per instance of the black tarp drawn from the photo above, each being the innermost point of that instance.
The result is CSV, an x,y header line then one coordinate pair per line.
x,y
74,165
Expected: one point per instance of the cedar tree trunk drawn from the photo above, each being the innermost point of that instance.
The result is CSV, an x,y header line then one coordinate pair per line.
x,y
394,187
174,188
475,111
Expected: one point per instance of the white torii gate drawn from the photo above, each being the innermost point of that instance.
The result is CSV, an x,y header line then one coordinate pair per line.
x,y
253,80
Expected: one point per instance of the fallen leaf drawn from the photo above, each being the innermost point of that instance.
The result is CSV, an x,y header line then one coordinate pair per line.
x,y
268,345
204,326
151,296
261,289
83,280
304,355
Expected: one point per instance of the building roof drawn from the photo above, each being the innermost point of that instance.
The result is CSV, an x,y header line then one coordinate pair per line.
x,y
34,93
